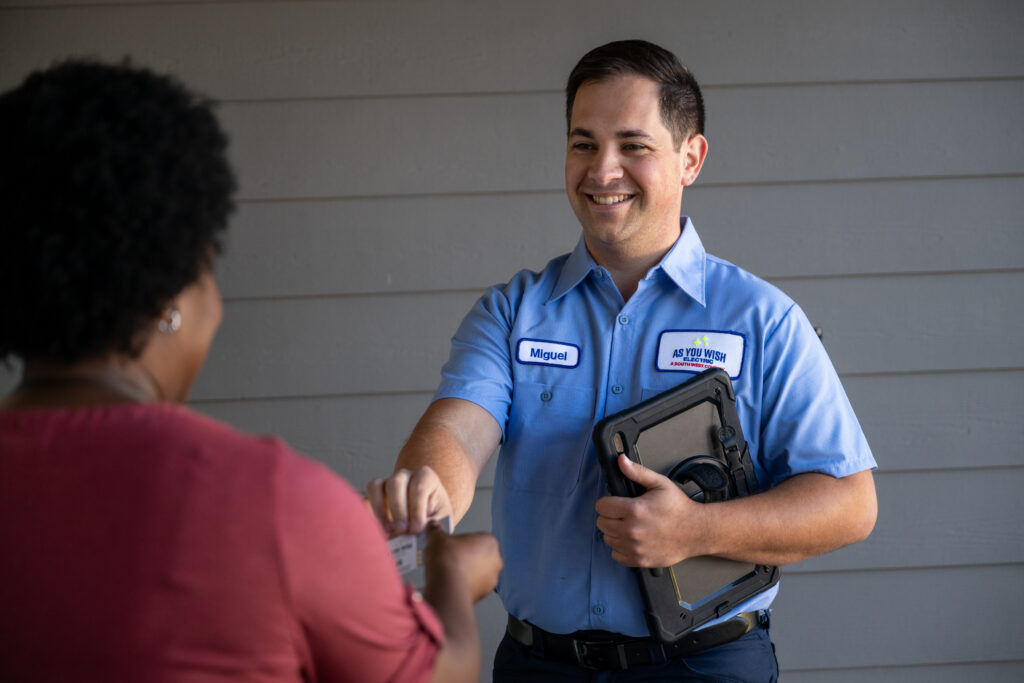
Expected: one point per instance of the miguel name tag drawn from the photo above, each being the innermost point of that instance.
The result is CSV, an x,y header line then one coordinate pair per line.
x,y
542,352
699,350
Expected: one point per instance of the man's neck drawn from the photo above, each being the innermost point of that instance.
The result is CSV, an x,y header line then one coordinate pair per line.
x,y
628,266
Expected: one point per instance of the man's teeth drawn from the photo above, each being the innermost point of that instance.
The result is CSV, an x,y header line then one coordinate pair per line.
x,y
613,199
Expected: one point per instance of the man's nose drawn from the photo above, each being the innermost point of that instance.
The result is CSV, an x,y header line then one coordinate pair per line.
x,y
605,167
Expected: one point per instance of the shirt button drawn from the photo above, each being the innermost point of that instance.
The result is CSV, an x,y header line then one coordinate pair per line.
x,y
616,389
545,395
597,609
623,319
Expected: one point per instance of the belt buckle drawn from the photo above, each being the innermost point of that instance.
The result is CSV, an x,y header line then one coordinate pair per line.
x,y
590,655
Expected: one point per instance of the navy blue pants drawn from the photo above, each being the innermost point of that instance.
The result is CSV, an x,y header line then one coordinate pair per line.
x,y
750,659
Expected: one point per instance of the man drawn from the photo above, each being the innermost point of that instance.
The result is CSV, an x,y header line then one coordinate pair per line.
x,y
609,315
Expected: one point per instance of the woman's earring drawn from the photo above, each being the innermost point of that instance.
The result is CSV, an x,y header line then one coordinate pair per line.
x,y
172,323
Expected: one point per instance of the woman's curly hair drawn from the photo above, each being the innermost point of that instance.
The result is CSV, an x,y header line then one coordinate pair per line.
x,y
114,190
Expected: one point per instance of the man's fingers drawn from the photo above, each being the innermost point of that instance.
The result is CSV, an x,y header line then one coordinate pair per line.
x,y
396,492
377,501
618,507
406,500
422,485
647,478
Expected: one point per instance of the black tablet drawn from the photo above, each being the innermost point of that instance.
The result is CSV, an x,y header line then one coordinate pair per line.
x,y
692,435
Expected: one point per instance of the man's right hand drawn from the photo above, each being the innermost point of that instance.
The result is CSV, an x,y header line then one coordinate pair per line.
x,y
408,499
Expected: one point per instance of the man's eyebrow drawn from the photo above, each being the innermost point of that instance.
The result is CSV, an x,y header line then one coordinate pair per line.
x,y
621,135
626,134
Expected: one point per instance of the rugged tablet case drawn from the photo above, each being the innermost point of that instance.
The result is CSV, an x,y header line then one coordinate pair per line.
x,y
691,434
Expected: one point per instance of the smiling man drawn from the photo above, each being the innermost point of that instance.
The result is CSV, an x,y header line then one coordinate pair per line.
x,y
625,172
540,360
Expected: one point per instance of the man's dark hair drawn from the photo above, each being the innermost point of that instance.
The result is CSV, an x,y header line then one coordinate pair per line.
x,y
682,105
114,191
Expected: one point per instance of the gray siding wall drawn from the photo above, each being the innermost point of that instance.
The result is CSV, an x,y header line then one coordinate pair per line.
x,y
398,156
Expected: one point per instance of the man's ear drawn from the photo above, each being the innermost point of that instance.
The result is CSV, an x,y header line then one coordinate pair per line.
x,y
694,152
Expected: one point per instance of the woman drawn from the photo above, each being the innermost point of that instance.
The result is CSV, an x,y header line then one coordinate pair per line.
x,y
141,541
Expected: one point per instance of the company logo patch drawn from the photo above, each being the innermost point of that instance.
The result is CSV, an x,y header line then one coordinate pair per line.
x,y
541,352
699,350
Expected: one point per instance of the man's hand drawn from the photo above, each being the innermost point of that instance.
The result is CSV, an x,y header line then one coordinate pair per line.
x,y
801,517
657,529
436,472
407,500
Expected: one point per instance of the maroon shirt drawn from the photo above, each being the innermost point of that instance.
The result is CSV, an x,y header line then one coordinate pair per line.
x,y
149,543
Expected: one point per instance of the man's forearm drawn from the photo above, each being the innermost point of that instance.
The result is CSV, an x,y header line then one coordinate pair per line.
x,y
436,448
802,517
454,438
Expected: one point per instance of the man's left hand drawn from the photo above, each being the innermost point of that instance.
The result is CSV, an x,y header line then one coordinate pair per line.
x,y
657,529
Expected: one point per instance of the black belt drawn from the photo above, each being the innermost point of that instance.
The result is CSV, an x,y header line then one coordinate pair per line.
x,y
620,653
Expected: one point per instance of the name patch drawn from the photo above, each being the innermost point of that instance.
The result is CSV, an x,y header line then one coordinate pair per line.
x,y
541,352
699,350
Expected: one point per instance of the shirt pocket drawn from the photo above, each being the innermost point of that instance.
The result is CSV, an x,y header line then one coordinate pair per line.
x,y
548,437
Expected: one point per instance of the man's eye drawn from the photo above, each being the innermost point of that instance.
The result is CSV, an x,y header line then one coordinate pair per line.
x,y
583,146
634,147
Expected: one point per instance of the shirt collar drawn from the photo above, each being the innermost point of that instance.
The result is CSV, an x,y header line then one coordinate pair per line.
x,y
684,264
574,270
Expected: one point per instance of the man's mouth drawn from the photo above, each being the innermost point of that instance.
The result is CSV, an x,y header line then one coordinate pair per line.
x,y
609,199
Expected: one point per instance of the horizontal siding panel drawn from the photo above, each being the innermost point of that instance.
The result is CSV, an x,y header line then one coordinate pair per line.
x,y
357,436
432,145
937,519
866,228
898,618
424,145
920,323
863,131
395,244
382,344
326,346
311,49
941,420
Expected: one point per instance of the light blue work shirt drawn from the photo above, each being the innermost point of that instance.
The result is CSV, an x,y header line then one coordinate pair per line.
x,y
549,354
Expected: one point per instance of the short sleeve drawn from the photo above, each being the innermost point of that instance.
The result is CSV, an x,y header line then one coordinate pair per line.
x,y
479,368
358,621
808,424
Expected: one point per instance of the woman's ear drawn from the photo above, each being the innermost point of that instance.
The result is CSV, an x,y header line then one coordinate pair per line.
x,y
181,337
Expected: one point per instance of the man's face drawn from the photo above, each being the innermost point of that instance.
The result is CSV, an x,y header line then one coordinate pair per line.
x,y
623,174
